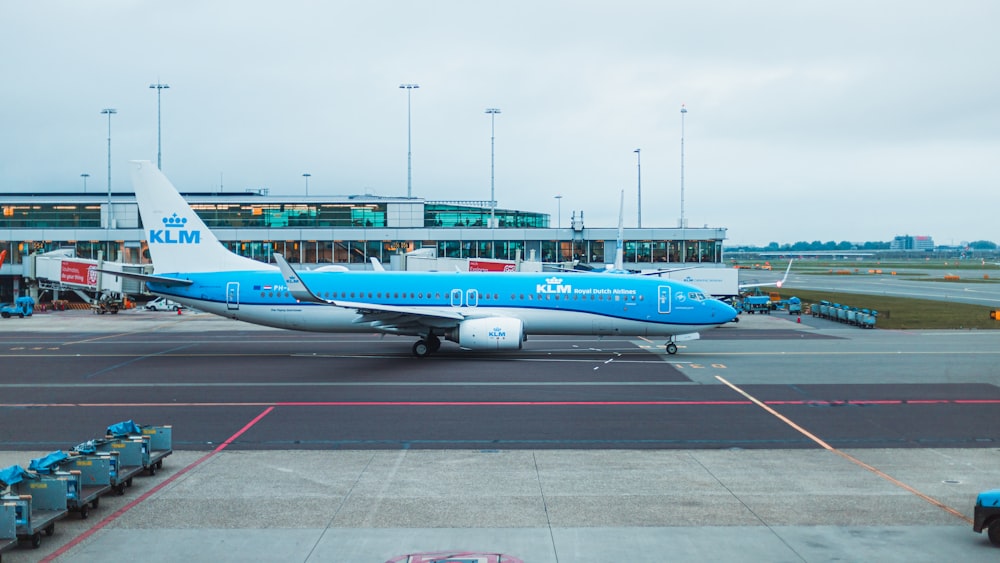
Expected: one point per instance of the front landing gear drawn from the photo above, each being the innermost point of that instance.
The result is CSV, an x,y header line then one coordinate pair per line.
x,y
426,346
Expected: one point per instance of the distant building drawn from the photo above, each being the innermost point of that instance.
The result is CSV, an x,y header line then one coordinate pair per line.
x,y
907,242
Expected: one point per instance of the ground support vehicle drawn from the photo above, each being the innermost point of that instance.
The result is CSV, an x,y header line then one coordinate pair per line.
x,y
40,501
163,304
22,307
106,305
986,515
756,304
8,525
158,441
794,306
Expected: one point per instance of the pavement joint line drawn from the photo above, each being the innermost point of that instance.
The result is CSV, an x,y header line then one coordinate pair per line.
x,y
155,489
846,455
132,361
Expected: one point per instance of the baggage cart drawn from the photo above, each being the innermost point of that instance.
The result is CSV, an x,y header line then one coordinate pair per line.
x,y
39,502
95,479
126,459
86,482
159,441
8,524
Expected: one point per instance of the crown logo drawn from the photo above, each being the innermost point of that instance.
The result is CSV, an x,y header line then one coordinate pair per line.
x,y
553,281
174,221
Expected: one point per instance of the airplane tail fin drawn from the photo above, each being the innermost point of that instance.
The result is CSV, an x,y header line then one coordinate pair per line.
x,y
179,241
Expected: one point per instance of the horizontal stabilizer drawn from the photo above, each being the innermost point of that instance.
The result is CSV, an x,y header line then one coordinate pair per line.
x,y
162,280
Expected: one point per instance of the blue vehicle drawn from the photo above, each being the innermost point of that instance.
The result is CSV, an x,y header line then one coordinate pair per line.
x,y
22,307
987,515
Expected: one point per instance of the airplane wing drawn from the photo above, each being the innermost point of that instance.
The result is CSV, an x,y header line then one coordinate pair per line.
x,y
777,284
388,318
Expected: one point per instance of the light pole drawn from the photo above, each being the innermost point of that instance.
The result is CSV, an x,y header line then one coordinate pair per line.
x,y
306,176
85,176
109,112
683,113
638,168
409,145
559,211
159,153
493,200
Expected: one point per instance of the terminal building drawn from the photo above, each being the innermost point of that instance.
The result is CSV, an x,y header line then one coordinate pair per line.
x,y
344,230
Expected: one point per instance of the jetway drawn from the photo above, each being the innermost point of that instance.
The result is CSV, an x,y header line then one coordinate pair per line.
x,y
61,271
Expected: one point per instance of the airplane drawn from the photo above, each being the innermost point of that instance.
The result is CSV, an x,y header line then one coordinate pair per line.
x,y
477,310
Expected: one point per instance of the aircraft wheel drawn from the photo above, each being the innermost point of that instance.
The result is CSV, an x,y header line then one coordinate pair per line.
x,y
434,343
421,349
671,348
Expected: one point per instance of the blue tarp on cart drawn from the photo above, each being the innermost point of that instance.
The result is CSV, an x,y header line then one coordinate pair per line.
x,y
15,474
48,463
124,429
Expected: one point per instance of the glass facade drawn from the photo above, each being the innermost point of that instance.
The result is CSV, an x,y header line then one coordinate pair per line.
x,y
25,216
50,216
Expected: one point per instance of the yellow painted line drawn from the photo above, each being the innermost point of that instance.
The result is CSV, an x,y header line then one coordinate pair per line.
x,y
845,455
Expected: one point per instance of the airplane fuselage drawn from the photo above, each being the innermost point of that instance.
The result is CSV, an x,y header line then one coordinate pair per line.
x,y
602,304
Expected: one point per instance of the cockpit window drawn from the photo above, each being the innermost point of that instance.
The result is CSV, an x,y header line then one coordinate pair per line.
x,y
697,296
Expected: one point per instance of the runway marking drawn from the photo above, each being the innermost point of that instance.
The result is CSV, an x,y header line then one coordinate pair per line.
x,y
121,511
655,403
845,455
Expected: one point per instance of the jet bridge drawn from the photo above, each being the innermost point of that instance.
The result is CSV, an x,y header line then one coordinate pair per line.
x,y
61,271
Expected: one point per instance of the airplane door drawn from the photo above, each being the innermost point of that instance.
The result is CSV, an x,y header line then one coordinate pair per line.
x,y
456,298
472,298
663,299
233,296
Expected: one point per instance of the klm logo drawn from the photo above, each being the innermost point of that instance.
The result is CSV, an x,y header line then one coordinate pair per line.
x,y
498,332
174,232
553,285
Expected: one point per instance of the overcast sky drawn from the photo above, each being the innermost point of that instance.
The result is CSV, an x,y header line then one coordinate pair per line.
x,y
809,121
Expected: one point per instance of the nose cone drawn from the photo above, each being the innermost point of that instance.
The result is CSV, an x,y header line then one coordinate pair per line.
x,y
724,312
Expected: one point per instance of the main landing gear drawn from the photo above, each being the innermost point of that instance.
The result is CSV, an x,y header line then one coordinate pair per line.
x,y
426,346
671,347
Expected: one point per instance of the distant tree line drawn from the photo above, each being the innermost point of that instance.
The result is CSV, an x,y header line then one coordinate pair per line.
x,y
842,245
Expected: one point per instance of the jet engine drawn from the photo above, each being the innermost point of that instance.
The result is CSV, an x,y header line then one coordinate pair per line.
x,y
491,333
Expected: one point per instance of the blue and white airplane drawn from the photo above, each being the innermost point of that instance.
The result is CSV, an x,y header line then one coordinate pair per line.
x,y
478,310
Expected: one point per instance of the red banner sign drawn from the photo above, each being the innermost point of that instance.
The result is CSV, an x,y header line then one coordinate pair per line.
x,y
489,266
79,273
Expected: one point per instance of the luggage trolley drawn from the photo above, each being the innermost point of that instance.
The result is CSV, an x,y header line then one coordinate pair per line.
x,y
39,501
8,523
93,477
125,459
159,441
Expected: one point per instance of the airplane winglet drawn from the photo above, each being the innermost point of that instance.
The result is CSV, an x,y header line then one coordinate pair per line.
x,y
376,265
788,269
295,285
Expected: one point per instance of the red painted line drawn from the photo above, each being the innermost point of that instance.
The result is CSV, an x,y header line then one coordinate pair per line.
x,y
505,403
118,513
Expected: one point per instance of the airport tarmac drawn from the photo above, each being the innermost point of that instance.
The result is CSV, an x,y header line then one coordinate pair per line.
x,y
768,439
